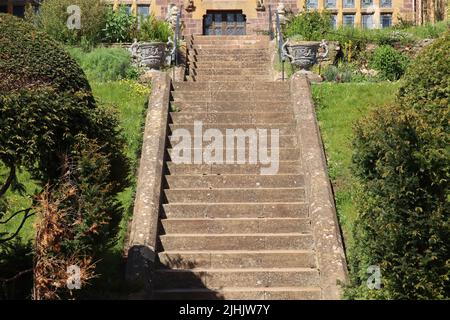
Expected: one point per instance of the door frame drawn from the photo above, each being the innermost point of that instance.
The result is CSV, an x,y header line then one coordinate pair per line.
x,y
224,21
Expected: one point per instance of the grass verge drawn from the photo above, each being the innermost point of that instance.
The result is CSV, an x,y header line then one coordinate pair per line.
x,y
338,106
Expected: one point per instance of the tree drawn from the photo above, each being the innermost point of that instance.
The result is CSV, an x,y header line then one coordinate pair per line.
x,y
402,158
51,126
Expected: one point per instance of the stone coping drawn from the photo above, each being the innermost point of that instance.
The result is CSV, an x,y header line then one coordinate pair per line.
x,y
327,237
141,245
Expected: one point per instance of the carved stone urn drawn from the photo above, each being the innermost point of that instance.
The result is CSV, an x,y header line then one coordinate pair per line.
x,y
149,55
305,53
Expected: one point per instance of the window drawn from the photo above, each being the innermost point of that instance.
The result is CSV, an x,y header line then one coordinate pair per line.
x,y
348,3
330,4
3,9
334,21
386,20
386,3
312,4
366,3
143,10
128,9
367,21
19,11
349,20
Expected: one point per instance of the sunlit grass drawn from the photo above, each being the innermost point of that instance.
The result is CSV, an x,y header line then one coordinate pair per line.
x,y
130,101
338,106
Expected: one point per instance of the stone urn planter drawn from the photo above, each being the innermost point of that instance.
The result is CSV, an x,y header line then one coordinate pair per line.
x,y
149,55
304,53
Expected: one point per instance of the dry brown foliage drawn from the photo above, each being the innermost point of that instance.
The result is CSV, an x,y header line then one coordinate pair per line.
x,y
51,264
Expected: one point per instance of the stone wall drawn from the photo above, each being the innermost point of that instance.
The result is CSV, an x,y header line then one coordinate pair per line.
x,y
140,248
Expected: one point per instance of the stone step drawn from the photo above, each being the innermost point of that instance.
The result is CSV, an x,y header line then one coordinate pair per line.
x,y
284,167
234,181
272,293
225,51
284,129
262,58
219,41
284,154
232,117
229,45
234,210
227,64
260,241
213,96
283,141
238,259
230,71
231,106
223,195
244,86
246,37
204,77
236,278
236,225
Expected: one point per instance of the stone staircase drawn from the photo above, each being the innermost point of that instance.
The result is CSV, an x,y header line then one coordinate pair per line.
x,y
225,230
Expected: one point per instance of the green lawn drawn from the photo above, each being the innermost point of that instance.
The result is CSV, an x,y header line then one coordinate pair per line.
x,y
130,100
16,201
338,106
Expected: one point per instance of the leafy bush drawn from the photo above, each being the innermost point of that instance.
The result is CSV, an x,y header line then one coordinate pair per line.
x,y
426,82
403,161
53,16
153,29
345,72
340,73
390,63
48,116
104,64
119,26
309,25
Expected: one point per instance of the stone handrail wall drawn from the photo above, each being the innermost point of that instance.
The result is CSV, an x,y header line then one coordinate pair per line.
x,y
142,236
327,237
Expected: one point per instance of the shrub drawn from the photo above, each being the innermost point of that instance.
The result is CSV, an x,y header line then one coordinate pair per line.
x,y
345,72
426,82
153,29
104,64
119,26
48,114
309,25
390,63
403,161
53,16
340,73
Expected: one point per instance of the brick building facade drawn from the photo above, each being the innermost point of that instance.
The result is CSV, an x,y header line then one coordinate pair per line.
x,y
357,13
254,14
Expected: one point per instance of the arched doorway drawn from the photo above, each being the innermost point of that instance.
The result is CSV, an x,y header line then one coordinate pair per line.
x,y
226,23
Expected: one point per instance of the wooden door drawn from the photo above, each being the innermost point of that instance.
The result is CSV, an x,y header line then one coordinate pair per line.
x,y
226,23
